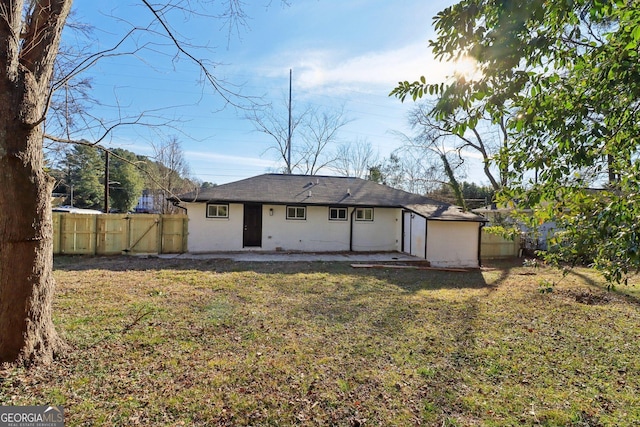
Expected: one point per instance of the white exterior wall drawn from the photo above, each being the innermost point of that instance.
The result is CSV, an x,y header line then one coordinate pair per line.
x,y
214,234
314,234
384,233
452,243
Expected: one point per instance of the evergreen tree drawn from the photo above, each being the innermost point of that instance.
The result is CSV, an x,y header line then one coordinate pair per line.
x,y
127,181
85,172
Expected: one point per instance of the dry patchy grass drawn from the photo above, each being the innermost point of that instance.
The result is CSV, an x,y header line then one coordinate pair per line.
x,y
165,342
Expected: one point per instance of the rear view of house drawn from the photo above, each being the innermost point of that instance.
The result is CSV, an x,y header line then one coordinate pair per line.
x,y
274,212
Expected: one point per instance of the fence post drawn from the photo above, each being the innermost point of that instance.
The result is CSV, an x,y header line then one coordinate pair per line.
x,y
185,232
95,235
128,233
160,233
57,234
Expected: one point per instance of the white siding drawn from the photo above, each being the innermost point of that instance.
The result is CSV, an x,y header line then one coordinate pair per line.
x,y
452,243
316,233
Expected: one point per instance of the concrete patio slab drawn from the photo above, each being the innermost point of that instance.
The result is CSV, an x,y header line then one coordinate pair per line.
x,y
299,256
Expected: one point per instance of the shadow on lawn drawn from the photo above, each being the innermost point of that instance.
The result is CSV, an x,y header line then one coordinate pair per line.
x,y
399,322
601,294
410,280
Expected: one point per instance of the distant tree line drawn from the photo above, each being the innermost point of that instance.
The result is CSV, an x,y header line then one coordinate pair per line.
x,y
419,175
80,173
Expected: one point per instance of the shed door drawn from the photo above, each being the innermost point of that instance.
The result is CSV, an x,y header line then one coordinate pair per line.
x,y
252,234
418,236
406,232
415,234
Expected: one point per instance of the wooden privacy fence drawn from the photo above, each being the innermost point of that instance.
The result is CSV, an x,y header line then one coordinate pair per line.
x,y
110,234
496,247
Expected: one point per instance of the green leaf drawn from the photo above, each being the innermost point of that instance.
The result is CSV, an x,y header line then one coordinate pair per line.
x,y
635,33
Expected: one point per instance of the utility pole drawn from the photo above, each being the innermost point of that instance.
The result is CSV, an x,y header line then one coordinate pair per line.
x,y
106,182
289,137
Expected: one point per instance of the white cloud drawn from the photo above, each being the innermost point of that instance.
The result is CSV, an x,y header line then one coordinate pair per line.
x,y
324,70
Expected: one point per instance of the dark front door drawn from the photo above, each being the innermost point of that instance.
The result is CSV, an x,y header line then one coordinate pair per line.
x,y
252,234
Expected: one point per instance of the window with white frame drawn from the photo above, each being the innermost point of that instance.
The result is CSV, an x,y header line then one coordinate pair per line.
x,y
364,214
217,211
337,214
296,212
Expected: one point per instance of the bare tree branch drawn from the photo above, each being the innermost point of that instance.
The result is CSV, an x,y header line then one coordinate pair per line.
x,y
430,128
355,158
226,94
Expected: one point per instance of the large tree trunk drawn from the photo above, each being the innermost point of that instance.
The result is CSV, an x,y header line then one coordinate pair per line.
x,y
27,334
29,40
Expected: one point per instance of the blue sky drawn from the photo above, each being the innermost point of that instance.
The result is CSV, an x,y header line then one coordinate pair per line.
x,y
343,53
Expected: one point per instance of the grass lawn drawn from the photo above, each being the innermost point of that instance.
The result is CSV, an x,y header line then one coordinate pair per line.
x,y
205,343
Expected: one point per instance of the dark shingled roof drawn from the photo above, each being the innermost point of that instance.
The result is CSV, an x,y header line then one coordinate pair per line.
x,y
325,190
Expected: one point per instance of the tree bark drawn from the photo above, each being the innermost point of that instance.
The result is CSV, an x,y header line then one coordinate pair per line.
x,y
28,48
27,334
453,182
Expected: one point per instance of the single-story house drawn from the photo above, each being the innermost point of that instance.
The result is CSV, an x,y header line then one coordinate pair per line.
x,y
274,212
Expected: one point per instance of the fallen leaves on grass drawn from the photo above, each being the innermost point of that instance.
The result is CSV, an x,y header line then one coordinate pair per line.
x,y
221,343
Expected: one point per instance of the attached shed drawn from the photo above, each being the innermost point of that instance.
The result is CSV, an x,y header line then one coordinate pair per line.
x,y
443,235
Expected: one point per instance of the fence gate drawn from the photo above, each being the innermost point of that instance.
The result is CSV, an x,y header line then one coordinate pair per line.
x,y
144,234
